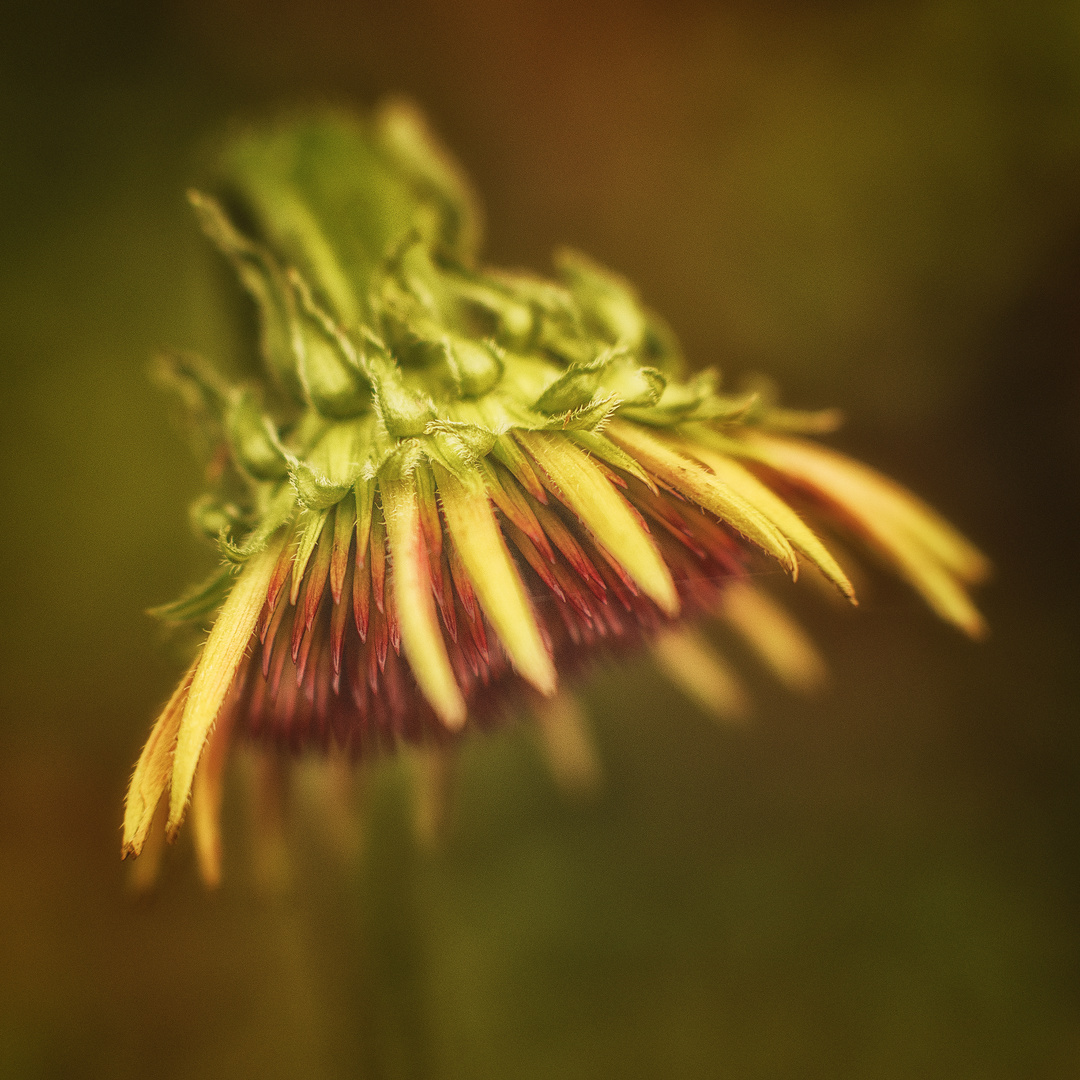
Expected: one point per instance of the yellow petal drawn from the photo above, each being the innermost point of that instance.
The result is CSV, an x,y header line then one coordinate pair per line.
x,y
568,744
777,639
421,635
945,595
842,474
206,791
696,669
926,551
704,488
487,562
151,777
214,673
589,493
800,535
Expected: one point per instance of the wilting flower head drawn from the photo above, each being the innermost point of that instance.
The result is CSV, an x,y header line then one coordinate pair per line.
x,y
451,487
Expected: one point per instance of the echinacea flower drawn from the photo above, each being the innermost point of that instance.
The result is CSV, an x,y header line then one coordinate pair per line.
x,y
451,487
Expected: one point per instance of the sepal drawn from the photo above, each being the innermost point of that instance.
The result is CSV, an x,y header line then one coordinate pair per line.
x,y
279,509
198,602
406,139
333,466
263,279
253,439
212,516
329,370
695,399
609,303
403,412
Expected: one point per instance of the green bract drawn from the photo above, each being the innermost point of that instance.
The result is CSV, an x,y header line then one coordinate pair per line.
x,y
357,242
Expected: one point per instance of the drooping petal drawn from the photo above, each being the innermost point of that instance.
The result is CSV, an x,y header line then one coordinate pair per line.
x,y
206,794
515,460
511,500
151,777
606,514
699,671
706,489
772,633
568,743
421,635
214,673
928,553
800,535
144,873
840,474
482,550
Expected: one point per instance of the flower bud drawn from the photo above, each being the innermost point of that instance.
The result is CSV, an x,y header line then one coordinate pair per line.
x,y
474,483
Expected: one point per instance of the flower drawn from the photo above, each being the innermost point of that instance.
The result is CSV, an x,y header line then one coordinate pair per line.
x,y
450,487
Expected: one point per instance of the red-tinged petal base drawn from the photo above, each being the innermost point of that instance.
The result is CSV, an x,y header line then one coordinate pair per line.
x,y
312,681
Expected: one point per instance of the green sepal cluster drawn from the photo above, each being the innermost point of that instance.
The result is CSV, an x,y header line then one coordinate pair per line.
x,y
384,342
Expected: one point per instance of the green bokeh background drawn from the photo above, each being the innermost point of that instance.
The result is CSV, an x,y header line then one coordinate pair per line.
x,y
878,204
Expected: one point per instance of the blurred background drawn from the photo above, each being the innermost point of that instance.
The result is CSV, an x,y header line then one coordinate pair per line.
x,y
878,204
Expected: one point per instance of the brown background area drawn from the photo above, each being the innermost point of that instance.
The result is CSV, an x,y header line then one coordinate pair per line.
x,y
878,204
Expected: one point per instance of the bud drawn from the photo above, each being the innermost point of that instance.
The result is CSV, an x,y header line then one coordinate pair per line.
x,y
456,486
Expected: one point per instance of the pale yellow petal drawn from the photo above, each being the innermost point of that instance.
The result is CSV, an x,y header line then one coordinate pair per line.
x,y
214,673
857,484
589,493
772,633
945,595
929,555
151,777
206,794
483,552
701,673
568,743
145,869
801,536
705,488
421,635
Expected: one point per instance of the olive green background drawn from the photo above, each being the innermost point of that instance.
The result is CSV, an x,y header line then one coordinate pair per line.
x,y
879,205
